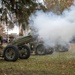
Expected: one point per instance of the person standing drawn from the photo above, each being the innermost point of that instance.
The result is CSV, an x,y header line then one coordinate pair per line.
x,y
1,40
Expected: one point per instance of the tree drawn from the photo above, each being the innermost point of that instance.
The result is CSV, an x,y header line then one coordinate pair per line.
x,y
1,29
22,9
58,6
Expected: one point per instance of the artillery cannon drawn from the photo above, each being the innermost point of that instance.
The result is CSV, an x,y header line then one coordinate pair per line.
x,y
17,49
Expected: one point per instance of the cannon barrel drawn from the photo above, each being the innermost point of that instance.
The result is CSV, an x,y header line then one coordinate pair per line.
x,y
22,40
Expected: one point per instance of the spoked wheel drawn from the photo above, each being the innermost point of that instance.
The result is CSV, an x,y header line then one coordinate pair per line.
x,y
11,53
40,50
24,52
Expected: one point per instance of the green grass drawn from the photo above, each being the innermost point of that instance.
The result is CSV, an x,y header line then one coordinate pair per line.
x,y
55,64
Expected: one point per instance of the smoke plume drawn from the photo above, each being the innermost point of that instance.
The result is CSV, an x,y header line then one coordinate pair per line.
x,y
51,28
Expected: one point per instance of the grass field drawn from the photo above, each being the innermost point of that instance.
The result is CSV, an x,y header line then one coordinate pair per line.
x,y
55,64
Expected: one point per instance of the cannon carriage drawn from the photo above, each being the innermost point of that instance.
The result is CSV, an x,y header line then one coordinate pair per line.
x,y
16,49
22,48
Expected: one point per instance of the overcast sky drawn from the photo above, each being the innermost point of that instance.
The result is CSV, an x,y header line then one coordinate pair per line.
x,y
41,1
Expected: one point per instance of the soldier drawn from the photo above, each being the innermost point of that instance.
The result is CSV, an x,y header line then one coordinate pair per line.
x,y
11,38
1,40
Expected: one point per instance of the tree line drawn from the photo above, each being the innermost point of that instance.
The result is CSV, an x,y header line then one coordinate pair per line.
x,y
17,12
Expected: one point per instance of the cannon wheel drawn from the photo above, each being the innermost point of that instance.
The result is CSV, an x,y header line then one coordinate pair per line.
x,y
50,51
11,53
61,49
40,50
24,52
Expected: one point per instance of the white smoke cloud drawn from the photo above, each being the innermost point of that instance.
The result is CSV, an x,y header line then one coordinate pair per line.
x,y
52,28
